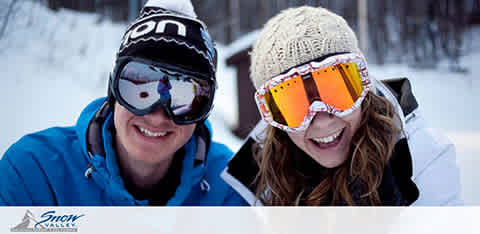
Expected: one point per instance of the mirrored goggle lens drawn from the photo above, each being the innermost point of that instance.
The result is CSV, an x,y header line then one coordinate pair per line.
x,y
338,86
142,86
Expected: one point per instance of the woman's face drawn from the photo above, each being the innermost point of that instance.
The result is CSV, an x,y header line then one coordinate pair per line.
x,y
328,138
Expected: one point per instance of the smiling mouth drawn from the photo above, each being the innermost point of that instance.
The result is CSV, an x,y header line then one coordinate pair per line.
x,y
148,133
328,141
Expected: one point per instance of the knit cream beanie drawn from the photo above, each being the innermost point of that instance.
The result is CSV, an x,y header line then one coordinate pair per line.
x,y
298,35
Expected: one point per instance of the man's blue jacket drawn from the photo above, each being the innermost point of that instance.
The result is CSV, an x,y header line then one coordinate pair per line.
x,y
75,166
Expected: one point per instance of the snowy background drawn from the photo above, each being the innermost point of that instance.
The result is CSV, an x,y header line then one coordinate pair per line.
x,y
54,64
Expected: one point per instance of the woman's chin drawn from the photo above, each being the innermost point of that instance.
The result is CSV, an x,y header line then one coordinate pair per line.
x,y
329,155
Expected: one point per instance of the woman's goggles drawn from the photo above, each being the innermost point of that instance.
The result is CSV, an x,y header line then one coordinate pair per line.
x,y
141,86
337,85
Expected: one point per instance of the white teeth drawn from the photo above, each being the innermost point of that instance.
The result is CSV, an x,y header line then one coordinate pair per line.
x,y
327,139
151,134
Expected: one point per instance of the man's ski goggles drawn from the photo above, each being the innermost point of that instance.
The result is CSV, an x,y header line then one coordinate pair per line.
x,y
336,85
141,86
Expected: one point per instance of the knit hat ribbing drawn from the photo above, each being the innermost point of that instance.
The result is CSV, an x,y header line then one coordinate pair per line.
x,y
296,36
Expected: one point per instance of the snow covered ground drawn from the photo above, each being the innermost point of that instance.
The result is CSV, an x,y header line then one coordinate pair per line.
x,y
54,64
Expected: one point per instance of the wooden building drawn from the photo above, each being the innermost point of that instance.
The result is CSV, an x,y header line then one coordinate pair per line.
x,y
239,59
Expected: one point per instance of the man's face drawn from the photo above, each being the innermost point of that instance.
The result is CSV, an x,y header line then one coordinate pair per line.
x,y
150,139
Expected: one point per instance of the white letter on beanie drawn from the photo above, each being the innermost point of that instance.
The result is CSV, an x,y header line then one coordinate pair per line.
x,y
126,38
181,29
150,26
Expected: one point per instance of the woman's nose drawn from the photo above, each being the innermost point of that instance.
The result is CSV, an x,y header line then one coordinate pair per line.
x,y
322,119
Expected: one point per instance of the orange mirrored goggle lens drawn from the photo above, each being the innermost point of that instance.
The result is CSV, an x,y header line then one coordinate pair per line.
x,y
338,86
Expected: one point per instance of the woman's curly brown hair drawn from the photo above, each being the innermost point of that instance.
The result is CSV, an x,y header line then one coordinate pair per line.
x,y
280,184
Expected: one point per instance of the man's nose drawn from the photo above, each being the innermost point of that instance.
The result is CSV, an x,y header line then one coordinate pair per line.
x,y
158,116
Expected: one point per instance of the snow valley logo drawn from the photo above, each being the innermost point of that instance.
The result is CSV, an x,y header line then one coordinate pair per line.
x,y
48,222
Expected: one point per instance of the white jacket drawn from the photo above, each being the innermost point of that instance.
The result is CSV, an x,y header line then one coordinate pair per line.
x,y
435,171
